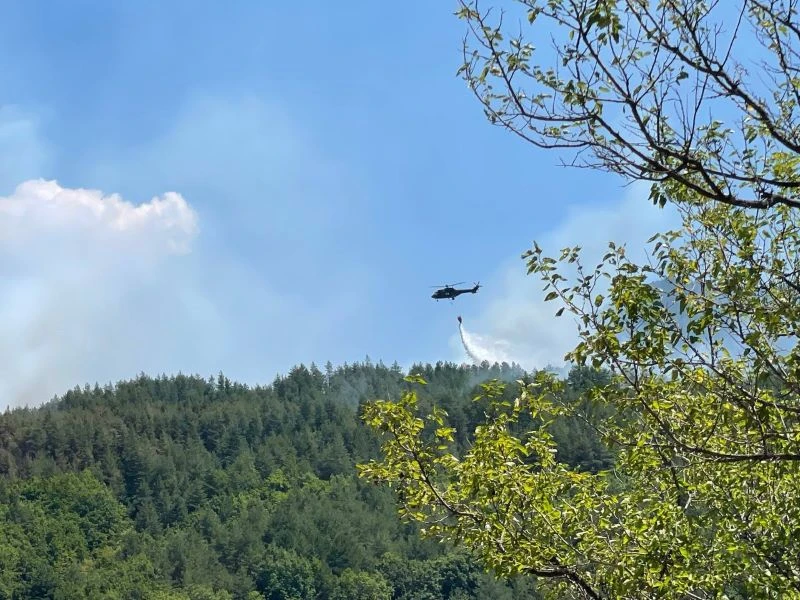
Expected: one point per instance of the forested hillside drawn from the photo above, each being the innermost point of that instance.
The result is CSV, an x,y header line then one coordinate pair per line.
x,y
182,487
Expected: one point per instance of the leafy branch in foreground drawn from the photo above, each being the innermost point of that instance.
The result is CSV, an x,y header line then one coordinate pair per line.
x,y
488,497
700,94
703,499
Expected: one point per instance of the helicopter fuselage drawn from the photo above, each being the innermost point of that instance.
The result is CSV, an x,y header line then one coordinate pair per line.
x,y
451,292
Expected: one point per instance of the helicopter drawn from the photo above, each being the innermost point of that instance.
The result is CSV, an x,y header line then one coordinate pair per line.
x,y
449,291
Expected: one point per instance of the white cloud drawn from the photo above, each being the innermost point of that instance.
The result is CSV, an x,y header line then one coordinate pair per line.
x,y
282,217
79,273
514,313
96,288
76,218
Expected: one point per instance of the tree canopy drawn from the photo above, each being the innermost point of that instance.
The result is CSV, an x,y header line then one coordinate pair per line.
x,y
701,96
702,406
205,489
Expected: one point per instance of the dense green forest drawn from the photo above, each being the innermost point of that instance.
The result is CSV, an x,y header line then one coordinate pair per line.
x,y
184,487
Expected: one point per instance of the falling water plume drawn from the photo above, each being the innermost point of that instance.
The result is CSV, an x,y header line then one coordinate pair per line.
x,y
480,350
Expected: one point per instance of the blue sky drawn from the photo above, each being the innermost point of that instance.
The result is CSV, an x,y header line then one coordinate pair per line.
x,y
332,166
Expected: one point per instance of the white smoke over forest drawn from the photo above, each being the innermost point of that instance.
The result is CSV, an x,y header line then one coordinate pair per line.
x,y
513,308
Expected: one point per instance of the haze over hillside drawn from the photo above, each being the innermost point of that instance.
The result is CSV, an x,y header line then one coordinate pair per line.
x,y
210,489
169,204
